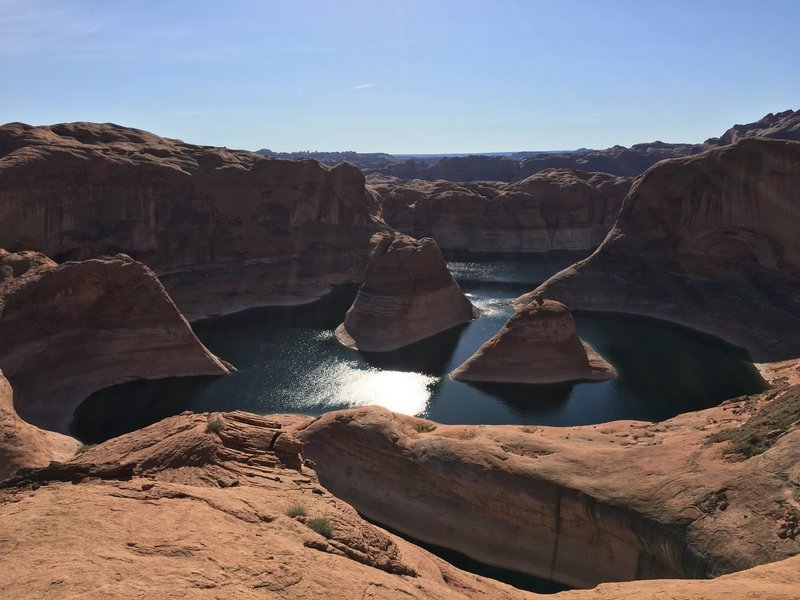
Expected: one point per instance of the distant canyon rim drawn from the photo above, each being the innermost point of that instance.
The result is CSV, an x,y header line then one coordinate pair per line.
x,y
115,239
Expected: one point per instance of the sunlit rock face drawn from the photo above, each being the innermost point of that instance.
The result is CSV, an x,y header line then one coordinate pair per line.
x,y
283,228
708,241
408,294
557,209
538,344
69,330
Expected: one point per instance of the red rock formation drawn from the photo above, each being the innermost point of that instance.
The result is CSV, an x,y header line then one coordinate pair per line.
x,y
557,209
79,190
537,344
579,505
72,329
708,241
407,295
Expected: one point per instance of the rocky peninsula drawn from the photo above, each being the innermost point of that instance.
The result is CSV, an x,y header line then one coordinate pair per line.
x,y
537,344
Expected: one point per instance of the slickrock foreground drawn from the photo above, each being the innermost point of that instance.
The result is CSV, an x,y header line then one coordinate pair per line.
x,y
557,209
69,330
699,495
537,344
224,229
407,295
196,506
709,242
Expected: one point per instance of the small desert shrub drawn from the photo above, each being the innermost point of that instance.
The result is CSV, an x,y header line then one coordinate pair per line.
x,y
322,525
422,428
214,426
295,510
83,448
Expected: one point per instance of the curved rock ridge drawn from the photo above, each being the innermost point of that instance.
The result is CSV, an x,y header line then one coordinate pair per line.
x,y
781,126
288,228
709,242
407,295
69,330
537,344
557,209
206,506
22,444
579,505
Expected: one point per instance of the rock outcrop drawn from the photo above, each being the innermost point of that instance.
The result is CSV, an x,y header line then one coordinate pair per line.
x,y
289,228
781,126
69,330
537,344
708,241
580,505
557,209
22,444
408,294
203,506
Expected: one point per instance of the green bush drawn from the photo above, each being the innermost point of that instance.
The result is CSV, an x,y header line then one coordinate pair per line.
x,y
215,426
83,448
322,526
295,510
423,428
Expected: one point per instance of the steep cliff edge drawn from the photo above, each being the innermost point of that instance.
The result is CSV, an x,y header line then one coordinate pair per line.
x,y
407,295
557,209
69,330
289,228
579,505
708,241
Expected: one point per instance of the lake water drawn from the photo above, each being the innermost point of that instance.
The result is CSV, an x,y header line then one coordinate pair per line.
x,y
289,361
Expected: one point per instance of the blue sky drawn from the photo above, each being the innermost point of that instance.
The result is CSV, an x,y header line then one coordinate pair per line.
x,y
402,76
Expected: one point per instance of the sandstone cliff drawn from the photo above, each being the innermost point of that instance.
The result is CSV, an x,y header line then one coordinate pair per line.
x,y
558,209
407,295
579,505
69,330
79,190
537,344
708,241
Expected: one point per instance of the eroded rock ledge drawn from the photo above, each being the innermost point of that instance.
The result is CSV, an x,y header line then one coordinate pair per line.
x,y
407,295
69,330
579,505
537,344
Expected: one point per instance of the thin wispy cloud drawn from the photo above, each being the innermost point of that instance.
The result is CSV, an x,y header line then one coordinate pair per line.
x,y
364,86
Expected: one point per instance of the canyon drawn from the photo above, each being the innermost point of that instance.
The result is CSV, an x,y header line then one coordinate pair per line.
x,y
705,240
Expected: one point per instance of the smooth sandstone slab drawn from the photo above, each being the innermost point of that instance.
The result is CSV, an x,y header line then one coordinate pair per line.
x,y
537,344
407,295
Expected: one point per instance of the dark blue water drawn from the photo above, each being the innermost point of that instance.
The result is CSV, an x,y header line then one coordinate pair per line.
x,y
289,361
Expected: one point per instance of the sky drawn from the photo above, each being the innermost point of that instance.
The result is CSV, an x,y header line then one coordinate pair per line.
x,y
402,76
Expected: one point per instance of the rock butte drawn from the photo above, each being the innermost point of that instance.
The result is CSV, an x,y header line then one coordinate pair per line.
x,y
407,295
224,229
537,344
557,209
709,242
69,330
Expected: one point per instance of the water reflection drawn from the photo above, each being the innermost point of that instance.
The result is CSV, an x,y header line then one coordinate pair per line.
x,y
289,361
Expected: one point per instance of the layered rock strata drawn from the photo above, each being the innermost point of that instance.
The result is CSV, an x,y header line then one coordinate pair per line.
x,y
80,190
205,506
709,242
580,505
537,344
557,209
407,295
69,330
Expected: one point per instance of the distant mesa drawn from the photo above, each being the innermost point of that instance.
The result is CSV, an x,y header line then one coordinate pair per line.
x,y
538,344
407,295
